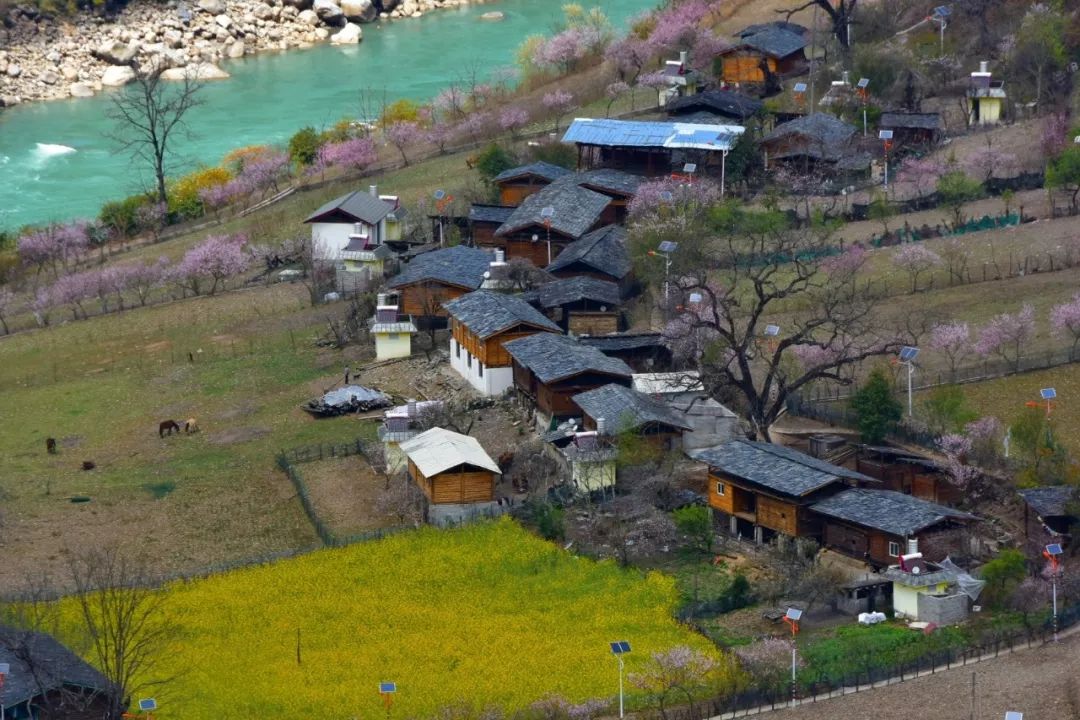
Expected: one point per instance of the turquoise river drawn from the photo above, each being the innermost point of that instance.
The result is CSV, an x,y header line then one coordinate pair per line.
x,y
56,163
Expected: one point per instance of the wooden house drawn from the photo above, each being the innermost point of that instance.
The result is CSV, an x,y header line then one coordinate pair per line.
x,y
580,305
359,224
520,182
876,525
720,107
913,128
480,323
551,369
651,148
548,221
710,422
433,278
624,409
600,254
455,474
45,680
619,186
817,141
1050,512
643,351
484,220
759,59
760,489
908,473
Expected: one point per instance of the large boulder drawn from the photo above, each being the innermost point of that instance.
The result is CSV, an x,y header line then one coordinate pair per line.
x,y
214,7
363,11
493,16
348,35
237,49
115,52
81,90
329,12
198,71
117,75
308,17
223,20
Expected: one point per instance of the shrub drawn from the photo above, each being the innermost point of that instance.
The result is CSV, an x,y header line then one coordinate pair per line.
x,y
492,161
1002,575
122,216
184,194
304,146
400,111
559,154
876,408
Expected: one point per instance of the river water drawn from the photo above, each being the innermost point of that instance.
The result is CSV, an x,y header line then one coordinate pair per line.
x,y
57,164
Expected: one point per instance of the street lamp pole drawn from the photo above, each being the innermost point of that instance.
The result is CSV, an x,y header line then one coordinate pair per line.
x,y
618,649
1052,553
792,617
907,357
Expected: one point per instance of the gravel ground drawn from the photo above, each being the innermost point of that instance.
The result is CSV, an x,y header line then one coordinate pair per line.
x,y
1042,683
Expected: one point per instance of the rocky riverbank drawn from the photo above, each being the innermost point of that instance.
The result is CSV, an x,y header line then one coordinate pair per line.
x,y
48,58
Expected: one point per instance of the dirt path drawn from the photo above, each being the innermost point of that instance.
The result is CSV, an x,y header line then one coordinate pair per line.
x,y
1042,683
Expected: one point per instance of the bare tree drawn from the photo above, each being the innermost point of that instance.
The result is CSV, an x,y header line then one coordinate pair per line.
x,y
840,13
149,114
401,500
124,620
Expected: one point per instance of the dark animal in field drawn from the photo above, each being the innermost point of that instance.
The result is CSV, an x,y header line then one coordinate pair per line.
x,y
505,461
88,465
50,445
167,427
191,425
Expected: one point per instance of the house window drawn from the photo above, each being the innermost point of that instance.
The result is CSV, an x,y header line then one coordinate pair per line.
x,y
457,349
894,549
479,368
719,488
468,360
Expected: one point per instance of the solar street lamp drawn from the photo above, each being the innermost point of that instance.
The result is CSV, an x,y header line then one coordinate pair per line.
x,y
941,17
1053,553
689,169
863,88
387,690
664,250
547,214
1049,395
886,137
442,199
907,358
5,670
1013,715
618,649
792,617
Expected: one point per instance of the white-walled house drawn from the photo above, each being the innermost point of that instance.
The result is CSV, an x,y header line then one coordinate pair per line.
x,y
354,228
480,322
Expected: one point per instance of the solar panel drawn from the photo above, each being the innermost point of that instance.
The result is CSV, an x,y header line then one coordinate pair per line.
x,y
793,614
1048,393
5,668
547,212
387,687
863,83
668,246
147,704
620,647
908,353
942,11
800,87
772,330
1054,549
1013,715
440,194
689,168
884,134
666,196
695,297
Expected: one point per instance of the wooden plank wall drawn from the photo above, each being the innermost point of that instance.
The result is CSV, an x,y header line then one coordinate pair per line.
x,y
777,515
593,323
426,298
463,487
726,502
494,354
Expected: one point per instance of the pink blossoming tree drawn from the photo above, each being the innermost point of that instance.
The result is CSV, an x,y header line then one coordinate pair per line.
x,y
1065,320
953,340
7,307
403,135
512,119
214,260
1007,334
916,260
558,103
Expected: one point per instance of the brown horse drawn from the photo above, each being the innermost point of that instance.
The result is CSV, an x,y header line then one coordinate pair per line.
x,y
167,427
50,445
191,425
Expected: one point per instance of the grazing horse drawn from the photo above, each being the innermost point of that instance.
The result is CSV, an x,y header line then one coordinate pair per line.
x,y
50,445
167,427
191,425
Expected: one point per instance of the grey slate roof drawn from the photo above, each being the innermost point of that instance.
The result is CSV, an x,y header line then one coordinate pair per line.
x,y
459,265
827,136
775,42
626,409
55,665
486,313
717,102
606,180
541,169
360,205
921,121
1050,501
603,249
574,289
576,210
554,357
623,341
479,212
790,27
887,510
775,467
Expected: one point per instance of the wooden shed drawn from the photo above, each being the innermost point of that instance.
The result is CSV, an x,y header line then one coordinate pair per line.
x,y
580,305
450,468
548,221
520,182
761,58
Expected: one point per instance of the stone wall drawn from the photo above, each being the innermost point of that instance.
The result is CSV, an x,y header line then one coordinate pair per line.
x,y
943,609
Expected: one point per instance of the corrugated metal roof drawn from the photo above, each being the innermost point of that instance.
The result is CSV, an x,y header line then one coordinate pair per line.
x,y
438,450
668,135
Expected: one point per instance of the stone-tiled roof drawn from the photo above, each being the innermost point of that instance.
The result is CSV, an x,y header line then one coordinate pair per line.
x,y
554,357
776,467
479,212
626,409
790,27
355,206
886,510
574,289
606,180
485,313
1050,501
717,102
577,209
624,341
39,664
459,265
603,250
540,169
827,137
775,42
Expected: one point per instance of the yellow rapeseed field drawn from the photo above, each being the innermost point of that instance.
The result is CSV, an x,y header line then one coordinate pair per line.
x,y
487,614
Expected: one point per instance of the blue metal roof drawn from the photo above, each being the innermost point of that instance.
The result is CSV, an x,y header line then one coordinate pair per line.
x,y
631,133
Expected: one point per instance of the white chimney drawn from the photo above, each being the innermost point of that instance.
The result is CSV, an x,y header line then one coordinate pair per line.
x,y
846,77
500,257
374,190
411,405
984,66
601,426
912,546
682,58
381,300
